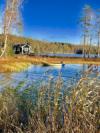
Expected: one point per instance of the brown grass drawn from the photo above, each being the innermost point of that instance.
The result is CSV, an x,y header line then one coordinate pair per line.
x,y
51,109
14,67
18,63
55,60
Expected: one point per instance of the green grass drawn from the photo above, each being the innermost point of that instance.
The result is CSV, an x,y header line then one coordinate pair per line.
x,y
50,109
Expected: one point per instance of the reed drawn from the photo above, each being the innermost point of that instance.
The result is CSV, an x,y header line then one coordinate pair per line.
x,y
14,67
50,109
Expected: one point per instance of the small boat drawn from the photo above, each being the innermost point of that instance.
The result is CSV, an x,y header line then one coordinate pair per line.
x,y
57,65
60,65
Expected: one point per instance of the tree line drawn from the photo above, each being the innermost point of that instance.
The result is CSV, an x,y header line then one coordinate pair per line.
x,y
39,47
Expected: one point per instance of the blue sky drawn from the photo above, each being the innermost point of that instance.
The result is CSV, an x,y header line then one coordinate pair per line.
x,y
54,20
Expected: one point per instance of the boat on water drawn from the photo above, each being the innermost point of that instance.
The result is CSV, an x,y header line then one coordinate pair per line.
x,y
56,65
60,65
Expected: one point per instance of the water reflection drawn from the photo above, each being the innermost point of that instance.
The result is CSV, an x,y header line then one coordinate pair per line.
x,y
35,75
91,70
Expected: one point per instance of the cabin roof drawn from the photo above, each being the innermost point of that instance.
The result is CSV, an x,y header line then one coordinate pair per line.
x,y
23,44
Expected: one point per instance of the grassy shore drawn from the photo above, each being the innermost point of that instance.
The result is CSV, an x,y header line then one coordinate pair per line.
x,y
55,60
21,62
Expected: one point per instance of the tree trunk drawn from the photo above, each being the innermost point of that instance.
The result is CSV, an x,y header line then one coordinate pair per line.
x,y
7,25
5,45
84,50
89,52
98,44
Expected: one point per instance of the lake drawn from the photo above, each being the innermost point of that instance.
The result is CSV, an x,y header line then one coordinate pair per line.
x,y
67,55
37,75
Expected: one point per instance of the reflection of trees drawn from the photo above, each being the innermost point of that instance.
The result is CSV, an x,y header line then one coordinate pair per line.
x,y
90,69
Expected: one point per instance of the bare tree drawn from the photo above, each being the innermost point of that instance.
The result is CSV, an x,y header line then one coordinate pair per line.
x,y
86,27
97,24
90,45
11,21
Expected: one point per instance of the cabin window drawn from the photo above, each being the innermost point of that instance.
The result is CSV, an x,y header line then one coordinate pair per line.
x,y
26,49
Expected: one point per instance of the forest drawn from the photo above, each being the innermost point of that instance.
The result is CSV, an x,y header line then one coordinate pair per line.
x,y
42,47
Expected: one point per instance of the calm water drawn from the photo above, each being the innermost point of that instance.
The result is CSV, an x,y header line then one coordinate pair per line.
x,y
37,75
68,55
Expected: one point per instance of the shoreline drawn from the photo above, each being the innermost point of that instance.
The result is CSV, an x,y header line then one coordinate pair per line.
x,y
19,63
37,60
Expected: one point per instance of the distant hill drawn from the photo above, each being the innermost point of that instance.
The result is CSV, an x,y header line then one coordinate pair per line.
x,y
40,46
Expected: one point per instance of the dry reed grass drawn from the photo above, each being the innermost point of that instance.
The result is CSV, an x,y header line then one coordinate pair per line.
x,y
45,60
50,109
14,67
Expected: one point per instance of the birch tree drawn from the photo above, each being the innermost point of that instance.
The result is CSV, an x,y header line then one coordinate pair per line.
x,y
86,27
98,30
12,20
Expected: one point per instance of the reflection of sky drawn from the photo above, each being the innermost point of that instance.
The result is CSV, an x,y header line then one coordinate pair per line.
x,y
37,74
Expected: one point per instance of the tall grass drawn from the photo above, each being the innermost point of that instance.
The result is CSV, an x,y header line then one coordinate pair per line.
x,y
14,67
50,109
